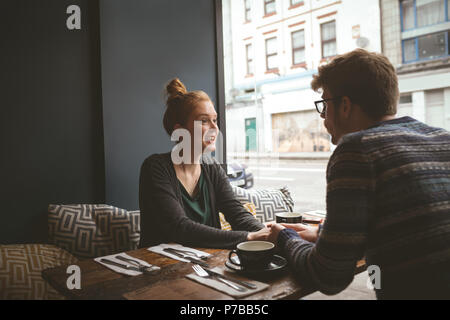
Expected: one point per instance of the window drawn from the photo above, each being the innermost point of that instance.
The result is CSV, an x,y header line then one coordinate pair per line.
x,y
408,14
249,57
429,12
271,54
298,47
328,33
248,10
421,13
296,3
426,47
269,7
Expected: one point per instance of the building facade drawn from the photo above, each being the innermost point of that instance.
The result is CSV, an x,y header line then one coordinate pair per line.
x,y
416,39
272,49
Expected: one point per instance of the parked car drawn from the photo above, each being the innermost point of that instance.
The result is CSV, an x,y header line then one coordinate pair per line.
x,y
240,175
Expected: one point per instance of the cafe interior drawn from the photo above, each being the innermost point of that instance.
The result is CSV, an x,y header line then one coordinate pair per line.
x,y
82,104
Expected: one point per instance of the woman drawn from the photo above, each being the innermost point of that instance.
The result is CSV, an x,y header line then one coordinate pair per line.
x,y
180,195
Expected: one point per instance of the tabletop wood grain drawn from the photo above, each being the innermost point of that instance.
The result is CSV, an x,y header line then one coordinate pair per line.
x,y
99,282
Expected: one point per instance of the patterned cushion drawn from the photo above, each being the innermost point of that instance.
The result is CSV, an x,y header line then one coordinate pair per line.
x,y
21,266
224,223
268,202
89,231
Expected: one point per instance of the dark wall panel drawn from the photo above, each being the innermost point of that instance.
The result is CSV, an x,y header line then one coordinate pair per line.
x,y
51,137
143,45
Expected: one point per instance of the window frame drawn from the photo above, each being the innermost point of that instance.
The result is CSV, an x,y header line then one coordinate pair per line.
x,y
295,5
446,16
247,60
270,55
416,39
294,49
266,2
247,11
322,42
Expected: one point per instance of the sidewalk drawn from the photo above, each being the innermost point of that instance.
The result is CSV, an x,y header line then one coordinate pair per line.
x,y
283,155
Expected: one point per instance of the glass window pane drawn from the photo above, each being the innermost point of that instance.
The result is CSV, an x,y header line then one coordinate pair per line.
x,y
248,16
294,2
249,51
299,56
328,30
329,49
408,14
250,68
271,46
409,48
430,12
270,6
298,39
272,62
432,45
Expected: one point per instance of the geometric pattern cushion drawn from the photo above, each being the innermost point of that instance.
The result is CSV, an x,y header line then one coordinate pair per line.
x,y
93,230
250,207
20,270
268,202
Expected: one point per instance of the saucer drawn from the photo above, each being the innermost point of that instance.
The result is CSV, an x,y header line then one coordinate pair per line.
x,y
277,265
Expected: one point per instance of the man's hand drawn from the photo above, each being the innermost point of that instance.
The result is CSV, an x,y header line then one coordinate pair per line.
x,y
306,232
260,235
274,232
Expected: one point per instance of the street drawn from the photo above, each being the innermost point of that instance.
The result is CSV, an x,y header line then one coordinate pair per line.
x,y
304,178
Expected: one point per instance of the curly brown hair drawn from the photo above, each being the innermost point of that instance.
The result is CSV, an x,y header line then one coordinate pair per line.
x,y
366,78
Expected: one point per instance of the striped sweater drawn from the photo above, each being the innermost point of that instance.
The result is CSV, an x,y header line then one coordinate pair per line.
x,y
388,201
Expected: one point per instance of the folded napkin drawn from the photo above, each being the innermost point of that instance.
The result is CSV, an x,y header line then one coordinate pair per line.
x,y
216,284
121,270
160,249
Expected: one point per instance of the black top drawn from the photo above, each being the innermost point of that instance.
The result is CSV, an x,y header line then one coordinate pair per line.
x,y
163,217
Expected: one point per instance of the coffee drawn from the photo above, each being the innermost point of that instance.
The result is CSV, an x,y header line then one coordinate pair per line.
x,y
253,254
289,217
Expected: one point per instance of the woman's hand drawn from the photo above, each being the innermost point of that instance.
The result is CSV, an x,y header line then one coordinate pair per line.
x,y
306,232
260,235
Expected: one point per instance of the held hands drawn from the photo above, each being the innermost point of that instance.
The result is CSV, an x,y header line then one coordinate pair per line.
x,y
306,232
260,235
272,230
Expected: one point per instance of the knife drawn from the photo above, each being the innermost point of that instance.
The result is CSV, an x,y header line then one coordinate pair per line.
x,y
191,259
244,283
147,270
123,266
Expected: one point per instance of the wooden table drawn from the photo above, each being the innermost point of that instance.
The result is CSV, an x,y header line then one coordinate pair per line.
x,y
99,282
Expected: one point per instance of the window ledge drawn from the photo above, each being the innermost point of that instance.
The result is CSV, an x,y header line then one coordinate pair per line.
x,y
276,71
269,15
296,5
424,65
299,65
249,75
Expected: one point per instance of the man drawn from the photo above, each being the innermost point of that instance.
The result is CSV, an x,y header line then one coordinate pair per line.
x,y
388,190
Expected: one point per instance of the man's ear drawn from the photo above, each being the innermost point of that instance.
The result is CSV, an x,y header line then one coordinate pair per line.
x,y
346,106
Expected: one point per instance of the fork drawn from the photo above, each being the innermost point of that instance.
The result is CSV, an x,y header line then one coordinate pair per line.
x,y
204,274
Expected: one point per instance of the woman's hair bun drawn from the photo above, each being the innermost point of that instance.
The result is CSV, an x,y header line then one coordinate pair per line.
x,y
174,88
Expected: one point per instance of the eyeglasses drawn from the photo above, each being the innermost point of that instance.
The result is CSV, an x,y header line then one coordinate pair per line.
x,y
321,105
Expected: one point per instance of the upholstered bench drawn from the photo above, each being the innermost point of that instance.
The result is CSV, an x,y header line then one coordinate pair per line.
x,y
84,231
21,266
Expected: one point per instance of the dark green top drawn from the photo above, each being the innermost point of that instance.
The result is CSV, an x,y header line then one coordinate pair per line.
x,y
163,214
198,207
